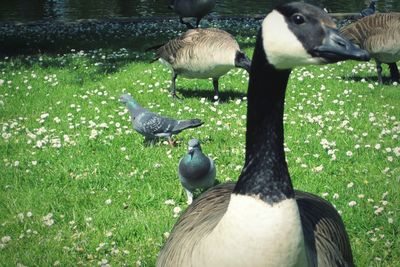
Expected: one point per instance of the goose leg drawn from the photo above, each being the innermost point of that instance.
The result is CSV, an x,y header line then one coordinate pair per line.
x,y
173,85
215,84
197,22
394,72
188,25
379,70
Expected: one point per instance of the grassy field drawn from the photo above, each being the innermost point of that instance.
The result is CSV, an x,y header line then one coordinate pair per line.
x,y
78,187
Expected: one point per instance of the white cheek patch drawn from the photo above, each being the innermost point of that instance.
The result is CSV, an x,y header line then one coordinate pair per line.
x,y
283,49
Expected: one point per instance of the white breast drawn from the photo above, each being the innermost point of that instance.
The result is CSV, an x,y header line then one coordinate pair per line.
x,y
253,233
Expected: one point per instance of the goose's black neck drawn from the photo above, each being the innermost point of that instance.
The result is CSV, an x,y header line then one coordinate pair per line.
x,y
265,173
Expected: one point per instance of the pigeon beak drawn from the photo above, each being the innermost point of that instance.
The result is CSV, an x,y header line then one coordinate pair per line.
x,y
191,152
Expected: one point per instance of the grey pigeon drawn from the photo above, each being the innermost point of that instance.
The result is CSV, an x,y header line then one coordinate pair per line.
x,y
369,10
152,125
196,170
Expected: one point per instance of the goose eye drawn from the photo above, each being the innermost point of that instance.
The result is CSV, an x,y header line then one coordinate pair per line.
x,y
298,19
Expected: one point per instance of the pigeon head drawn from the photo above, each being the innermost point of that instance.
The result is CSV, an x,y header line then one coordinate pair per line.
x,y
193,143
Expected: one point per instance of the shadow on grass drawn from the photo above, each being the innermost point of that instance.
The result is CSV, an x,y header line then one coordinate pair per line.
x,y
224,95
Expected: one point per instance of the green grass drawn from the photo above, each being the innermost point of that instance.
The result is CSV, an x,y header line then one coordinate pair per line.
x,y
106,191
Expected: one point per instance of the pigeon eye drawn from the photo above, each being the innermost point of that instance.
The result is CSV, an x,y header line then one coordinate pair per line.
x,y
298,19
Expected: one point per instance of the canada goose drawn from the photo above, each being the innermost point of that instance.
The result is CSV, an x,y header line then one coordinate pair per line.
x,y
379,34
369,10
191,8
203,54
152,125
262,221
196,170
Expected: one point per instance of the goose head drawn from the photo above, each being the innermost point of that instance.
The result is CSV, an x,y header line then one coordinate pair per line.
x,y
297,34
242,61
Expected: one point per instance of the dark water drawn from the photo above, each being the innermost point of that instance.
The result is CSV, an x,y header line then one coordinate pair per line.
x,y
70,10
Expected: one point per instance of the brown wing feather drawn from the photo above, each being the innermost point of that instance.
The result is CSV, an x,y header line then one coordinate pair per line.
x,y
198,220
189,39
324,231
362,29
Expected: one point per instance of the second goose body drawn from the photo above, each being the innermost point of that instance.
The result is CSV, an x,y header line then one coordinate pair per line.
x,y
261,221
202,54
379,34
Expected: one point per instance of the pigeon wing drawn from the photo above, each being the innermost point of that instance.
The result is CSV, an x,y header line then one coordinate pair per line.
x,y
154,125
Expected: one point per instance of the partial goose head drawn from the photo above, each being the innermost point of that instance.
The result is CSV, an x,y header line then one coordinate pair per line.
x,y
202,54
262,221
294,36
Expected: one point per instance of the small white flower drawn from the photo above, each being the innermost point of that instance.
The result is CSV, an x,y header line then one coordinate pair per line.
x,y
166,235
177,210
169,202
6,239
44,116
48,219
350,185
108,201
335,196
109,234
21,216
352,203
379,210
319,168
157,165
349,153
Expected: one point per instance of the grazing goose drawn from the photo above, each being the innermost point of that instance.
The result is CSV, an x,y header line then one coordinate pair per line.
x,y
191,9
369,10
196,170
203,54
152,125
379,34
262,221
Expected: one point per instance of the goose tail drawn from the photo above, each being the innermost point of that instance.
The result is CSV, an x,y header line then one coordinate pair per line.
x,y
153,48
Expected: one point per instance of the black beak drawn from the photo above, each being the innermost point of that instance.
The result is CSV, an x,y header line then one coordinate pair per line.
x,y
191,152
242,61
336,48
